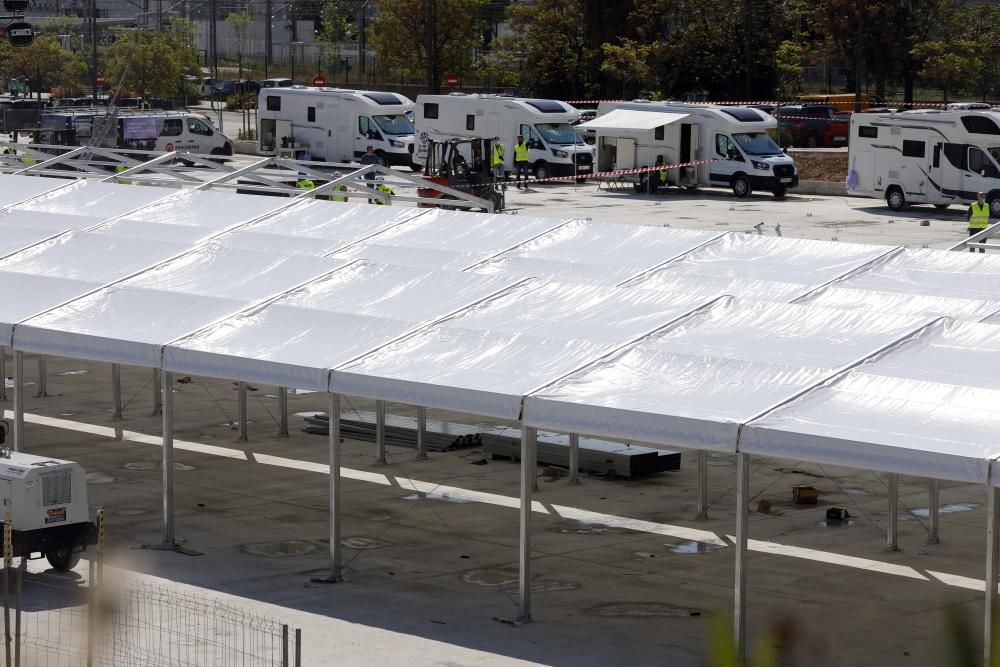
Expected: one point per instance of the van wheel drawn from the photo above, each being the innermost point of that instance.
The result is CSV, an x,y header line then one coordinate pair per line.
x,y
741,186
895,199
64,559
994,199
812,141
941,207
542,169
581,180
381,158
779,193
416,167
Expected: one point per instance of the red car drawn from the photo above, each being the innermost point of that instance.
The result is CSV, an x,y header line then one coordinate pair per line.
x,y
812,125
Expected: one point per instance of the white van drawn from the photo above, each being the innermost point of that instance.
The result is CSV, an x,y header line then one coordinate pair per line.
x,y
735,140
554,147
335,125
182,131
926,157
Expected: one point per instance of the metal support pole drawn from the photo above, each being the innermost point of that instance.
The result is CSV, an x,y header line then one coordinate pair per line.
x,y
116,391
167,380
892,536
574,458
702,484
283,411
3,373
8,560
528,435
336,557
18,401
298,647
284,645
933,512
992,565
421,434
742,534
242,409
43,377
157,394
380,432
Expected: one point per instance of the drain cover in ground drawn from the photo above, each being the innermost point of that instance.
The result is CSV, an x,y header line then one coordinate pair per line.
x,y
279,549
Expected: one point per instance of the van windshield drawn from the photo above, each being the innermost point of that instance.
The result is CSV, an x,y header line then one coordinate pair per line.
x,y
560,134
757,143
395,124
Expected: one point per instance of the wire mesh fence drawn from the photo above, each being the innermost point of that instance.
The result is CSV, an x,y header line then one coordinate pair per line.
x,y
130,623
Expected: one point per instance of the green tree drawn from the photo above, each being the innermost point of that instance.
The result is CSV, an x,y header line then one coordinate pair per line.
x,y
151,63
789,58
550,50
47,64
628,62
240,23
398,34
950,66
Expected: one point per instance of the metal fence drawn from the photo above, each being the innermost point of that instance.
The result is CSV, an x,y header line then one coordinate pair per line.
x,y
130,623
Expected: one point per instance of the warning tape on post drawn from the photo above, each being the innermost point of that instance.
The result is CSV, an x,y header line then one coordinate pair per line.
x,y
916,104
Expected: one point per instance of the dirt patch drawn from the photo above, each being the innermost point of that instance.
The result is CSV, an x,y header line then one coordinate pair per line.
x,y
820,166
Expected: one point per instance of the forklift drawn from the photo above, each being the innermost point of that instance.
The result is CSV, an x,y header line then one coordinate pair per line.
x,y
462,164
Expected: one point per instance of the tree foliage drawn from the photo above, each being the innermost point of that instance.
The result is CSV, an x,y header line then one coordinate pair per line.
x,y
399,31
46,64
152,63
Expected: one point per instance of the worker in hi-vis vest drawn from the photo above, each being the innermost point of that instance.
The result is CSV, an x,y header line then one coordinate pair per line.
x,y
978,216
497,161
522,164
304,183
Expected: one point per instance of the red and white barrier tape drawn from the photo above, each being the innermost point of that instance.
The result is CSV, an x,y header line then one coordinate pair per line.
x,y
891,104
617,172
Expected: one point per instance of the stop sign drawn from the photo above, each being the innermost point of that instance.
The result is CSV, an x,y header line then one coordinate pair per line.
x,y
452,80
100,81
319,81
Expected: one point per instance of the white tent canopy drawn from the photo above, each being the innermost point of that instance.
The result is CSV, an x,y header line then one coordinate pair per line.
x,y
17,189
632,119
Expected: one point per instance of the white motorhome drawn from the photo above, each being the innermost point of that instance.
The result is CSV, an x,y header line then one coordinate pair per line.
x,y
554,149
736,139
926,157
334,124
181,131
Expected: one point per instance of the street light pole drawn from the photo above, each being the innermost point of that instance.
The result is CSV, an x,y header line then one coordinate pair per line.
x,y
268,11
93,47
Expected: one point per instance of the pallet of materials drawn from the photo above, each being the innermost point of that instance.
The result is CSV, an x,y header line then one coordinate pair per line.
x,y
400,431
601,457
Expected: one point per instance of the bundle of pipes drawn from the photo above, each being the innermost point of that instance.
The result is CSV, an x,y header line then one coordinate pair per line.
x,y
400,432
596,456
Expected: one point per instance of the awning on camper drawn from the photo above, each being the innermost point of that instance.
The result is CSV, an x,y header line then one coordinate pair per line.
x,y
631,119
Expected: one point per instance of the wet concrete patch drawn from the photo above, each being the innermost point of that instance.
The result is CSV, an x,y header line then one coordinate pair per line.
x,y
691,547
132,511
155,465
580,528
97,477
279,549
835,524
947,509
363,543
642,610
80,372
447,497
506,580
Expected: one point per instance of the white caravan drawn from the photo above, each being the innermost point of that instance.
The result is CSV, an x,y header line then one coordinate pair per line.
x,y
554,149
736,139
335,125
926,157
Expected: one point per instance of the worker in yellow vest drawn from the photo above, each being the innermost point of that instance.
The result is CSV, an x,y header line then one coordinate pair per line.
x,y
304,183
522,163
382,187
978,216
497,161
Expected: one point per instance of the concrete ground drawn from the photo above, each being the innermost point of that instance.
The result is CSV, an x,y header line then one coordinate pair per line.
x,y
623,574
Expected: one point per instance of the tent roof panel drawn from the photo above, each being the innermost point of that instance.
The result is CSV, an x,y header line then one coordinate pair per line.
x,y
287,245
215,270
27,294
335,221
43,220
120,324
835,296
558,271
13,239
95,199
20,188
933,273
882,423
208,209
154,231
86,256
283,345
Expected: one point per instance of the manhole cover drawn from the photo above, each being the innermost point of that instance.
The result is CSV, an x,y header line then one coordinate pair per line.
x,y
363,543
279,549
99,478
642,610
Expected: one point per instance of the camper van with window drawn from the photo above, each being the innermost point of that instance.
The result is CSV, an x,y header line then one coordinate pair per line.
x,y
733,143
926,156
334,125
140,130
554,148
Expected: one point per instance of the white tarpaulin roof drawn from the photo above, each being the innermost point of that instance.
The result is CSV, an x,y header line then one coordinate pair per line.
x,y
695,383
269,290
17,189
931,406
632,119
